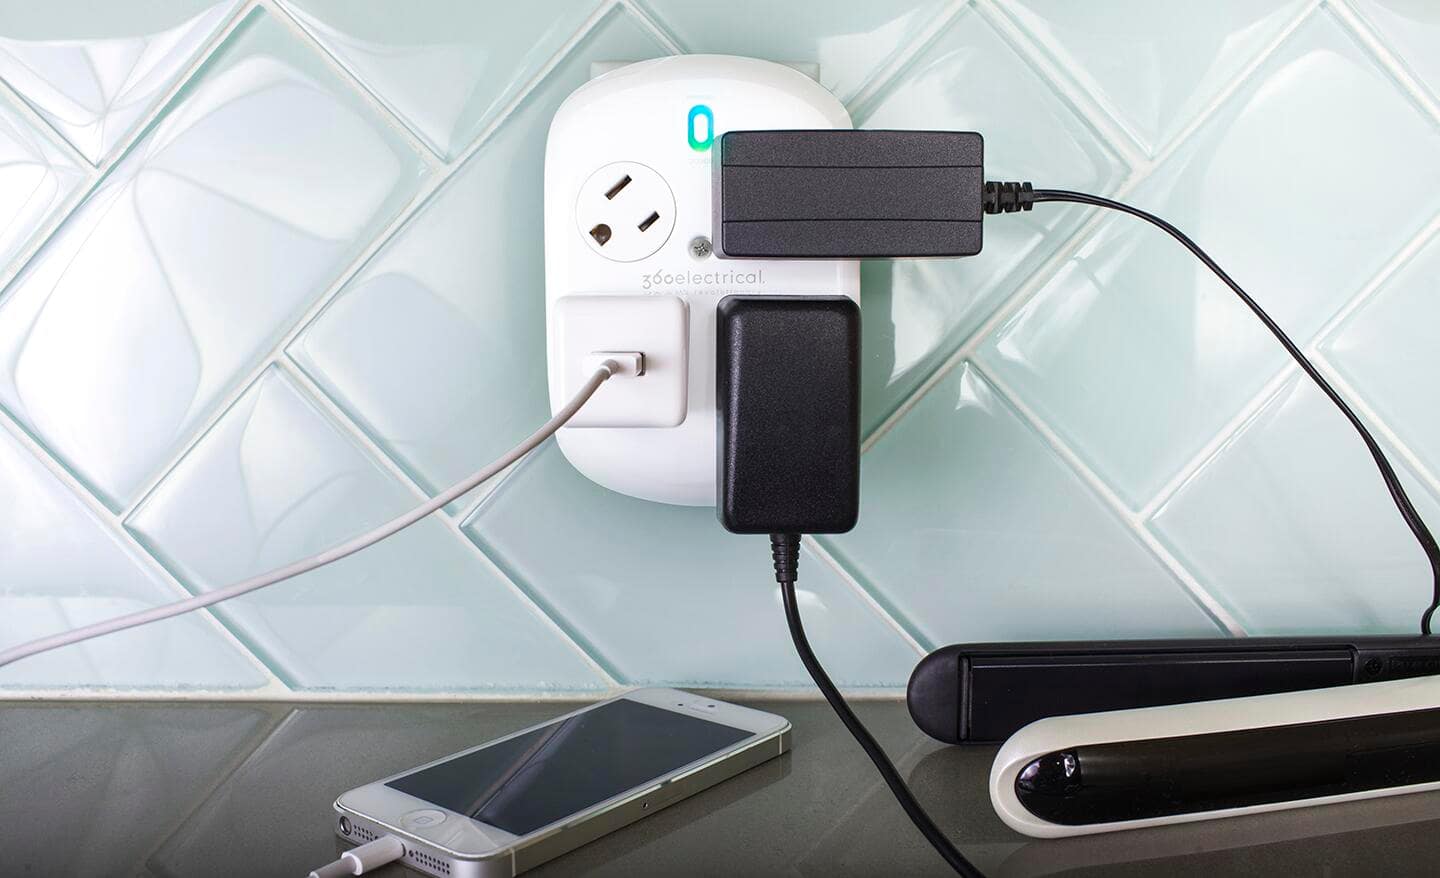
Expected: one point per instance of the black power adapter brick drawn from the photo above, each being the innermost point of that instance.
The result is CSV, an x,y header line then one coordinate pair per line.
x,y
841,194
788,401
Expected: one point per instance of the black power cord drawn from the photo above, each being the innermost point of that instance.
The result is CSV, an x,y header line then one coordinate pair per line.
x,y
785,548
866,194
1011,197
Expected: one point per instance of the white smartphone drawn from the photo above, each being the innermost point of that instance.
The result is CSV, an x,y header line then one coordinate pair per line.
x,y
510,805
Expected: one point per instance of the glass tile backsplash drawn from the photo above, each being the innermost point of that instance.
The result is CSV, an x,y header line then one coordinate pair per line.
x,y
271,271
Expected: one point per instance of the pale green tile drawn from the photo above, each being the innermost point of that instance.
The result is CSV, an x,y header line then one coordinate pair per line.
x,y
195,256
666,596
63,568
1411,29
96,69
445,66
1153,64
1134,352
36,177
1387,351
438,345
850,40
974,530
276,481
918,311
1293,530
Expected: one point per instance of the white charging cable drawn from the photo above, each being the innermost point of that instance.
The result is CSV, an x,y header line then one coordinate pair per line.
x,y
359,860
605,369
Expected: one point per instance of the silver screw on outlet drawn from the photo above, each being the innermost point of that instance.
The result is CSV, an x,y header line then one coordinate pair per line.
x,y
700,247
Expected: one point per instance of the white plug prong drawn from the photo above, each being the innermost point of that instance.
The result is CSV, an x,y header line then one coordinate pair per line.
x,y
627,364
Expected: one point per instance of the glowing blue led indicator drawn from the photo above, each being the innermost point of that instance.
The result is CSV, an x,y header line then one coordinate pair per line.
x,y
700,127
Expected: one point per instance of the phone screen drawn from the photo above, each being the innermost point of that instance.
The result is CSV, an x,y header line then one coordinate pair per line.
x,y
544,775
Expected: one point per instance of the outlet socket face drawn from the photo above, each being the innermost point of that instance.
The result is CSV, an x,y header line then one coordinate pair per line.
x,y
659,123
625,211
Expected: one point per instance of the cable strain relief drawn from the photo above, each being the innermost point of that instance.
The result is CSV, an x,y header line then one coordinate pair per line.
x,y
1006,197
785,550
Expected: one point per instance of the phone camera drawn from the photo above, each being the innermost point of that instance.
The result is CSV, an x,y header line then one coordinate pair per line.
x,y
345,825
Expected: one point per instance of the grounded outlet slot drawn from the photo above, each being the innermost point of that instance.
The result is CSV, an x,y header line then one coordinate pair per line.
x,y
615,190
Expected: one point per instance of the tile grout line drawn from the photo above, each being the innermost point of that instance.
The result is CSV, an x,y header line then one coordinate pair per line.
x,y
61,212
824,556
522,95
1235,84
1360,30
890,69
356,434
1026,290
650,24
1377,424
1033,52
1428,233
378,105
1117,507
202,57
116,527
469,510
486,491
1227,433
1290,369
43,127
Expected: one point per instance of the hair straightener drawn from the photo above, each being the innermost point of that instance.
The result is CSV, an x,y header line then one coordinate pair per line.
x,y
985,692
1127,769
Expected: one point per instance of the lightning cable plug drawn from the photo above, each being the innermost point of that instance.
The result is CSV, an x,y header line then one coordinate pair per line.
x,y
359,860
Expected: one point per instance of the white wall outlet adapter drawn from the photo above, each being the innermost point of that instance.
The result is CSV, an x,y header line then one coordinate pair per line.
x,y
629,265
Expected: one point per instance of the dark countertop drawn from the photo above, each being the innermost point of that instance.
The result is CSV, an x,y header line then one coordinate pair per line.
x,y
220,789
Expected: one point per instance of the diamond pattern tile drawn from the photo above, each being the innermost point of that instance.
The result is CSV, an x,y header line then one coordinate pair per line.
x,y
194,257
1387,350
36,177
169,344
1153,65
63,568
662,593
1133,351
276,481
972,529
450,299
449,71
918,311
1294,530
95,71
850,40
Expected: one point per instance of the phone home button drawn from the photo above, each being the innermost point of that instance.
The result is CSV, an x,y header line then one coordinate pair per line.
x,y
422,818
